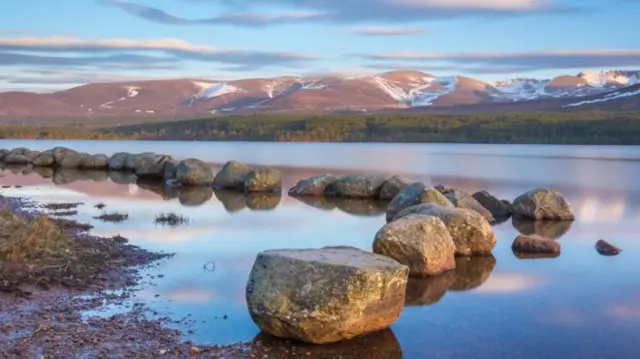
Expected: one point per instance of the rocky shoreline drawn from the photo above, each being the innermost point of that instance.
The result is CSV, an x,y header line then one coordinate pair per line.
x,y
340,297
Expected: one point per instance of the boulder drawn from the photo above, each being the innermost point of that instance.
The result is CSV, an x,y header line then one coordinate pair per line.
x,y
3,153
193,172
44,159
470,231
16,159
170,170
420,242
232,176
19,151
607,249
498,208
61,152
542,203
133,161
393,186
71,159
356,186
31,155
462,199
413,195
325,295
535,244
95,162
312,187
263,181
151,166
118,160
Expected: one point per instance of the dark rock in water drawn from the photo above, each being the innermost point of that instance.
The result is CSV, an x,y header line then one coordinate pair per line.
x,y
193,172
535,244
393,186
472,272
500,209
44,159
170,170
413,195
133,161
420,242
359,206
3,153
428,290
462,199
232,176
263,181
152,166
356,186
231,200
325,295
16,159
71,160
544,228
378,345
95,162
118,160
470,231
313,186
263,201
542,203
607,249
194,196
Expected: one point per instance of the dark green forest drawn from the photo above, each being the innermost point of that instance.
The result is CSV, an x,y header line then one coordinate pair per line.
x,y
560,128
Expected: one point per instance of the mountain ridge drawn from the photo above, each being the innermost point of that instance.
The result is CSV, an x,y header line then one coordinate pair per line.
x,y
400,90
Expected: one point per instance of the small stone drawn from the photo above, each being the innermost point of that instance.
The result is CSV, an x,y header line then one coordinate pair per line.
x,y
535,244
607,249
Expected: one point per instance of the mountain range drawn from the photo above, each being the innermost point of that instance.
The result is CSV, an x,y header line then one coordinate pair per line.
x,y
389,91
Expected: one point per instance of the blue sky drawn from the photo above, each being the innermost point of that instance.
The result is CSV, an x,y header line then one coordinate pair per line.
x,y
47,45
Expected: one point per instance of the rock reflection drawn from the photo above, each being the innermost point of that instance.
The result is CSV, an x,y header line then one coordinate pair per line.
x,y
379,345
69,175
234,201
121,177
44,172
159,188
549,229
428,290
354,206
536,255
471,272
194,196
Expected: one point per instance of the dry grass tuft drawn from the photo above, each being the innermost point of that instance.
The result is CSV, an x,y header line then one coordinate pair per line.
x,y
100,205
61,206
171,219
114,217
64,213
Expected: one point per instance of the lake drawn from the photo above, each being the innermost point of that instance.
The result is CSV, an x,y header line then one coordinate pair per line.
x,y
578,305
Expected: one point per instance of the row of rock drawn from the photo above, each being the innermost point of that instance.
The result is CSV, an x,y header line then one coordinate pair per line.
x,y
152,166
403,193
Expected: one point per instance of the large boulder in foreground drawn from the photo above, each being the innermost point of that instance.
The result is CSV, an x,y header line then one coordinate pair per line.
x,y
356,186
413,195
313,186
470,231
393,186
232,176
193,172
263,181
420,242
542,203
500,209
325,295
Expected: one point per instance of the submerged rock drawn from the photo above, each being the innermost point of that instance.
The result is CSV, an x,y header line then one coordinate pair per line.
x,y
232,176
470,231
313,186
607,249
535,244
325,295
263,181
542,203
420,242
499,208
356,186
413,195
193,172
393,186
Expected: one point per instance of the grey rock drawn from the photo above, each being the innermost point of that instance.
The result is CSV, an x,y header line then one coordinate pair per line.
x,y
499,208
44,159
263,181
313,186
95,162
462,199
356,186
542,203
193,172
393,186
413,195
118,160
232,176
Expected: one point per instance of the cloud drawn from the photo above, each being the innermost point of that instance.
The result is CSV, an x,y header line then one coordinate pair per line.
x,y
70,51
518,61
387,31
331,11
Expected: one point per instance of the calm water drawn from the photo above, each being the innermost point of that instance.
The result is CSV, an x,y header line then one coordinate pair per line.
x,y
579,305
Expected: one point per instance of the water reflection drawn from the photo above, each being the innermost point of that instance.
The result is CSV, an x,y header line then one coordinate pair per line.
x,y
472,272
378,345
354,206
428,290
521,255
549,229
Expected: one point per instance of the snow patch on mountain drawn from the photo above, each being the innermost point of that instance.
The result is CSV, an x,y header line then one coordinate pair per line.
x,y
421,91
447,84
275,87
519,89
133,91
209,90
610,78
607,97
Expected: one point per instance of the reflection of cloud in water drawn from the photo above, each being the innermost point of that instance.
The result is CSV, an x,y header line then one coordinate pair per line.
x,y
159,234
592,209
191,295
625,311
509,283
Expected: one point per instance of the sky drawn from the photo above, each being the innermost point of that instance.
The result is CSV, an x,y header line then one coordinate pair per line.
x,y
50,45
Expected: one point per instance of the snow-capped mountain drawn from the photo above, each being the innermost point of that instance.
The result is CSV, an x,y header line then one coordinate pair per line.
x,y
389,90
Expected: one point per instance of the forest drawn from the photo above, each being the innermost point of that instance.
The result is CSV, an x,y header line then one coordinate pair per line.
x,y
549,128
